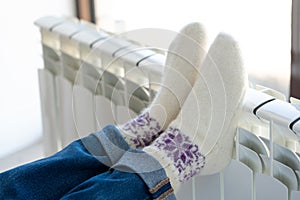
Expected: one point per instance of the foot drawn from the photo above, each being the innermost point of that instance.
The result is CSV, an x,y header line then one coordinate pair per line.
x,y
201,139
181,70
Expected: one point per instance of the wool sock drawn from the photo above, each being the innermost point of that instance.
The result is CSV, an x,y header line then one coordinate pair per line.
x,y
201,139
184,57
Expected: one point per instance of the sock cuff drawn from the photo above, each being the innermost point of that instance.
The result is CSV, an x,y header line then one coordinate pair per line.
x,y
142,130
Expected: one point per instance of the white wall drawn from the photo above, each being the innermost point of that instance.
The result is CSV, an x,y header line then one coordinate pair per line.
x,y
20,57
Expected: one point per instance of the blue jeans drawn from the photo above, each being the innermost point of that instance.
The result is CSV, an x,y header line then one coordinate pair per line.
x,y
99,166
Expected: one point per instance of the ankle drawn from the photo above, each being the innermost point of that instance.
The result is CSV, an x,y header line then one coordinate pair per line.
x,y
178,154
141,131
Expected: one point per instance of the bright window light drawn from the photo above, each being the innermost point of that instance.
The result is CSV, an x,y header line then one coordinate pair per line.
x,y
263,28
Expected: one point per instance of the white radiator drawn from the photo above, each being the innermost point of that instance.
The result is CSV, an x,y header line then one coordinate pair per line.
x,y
79,96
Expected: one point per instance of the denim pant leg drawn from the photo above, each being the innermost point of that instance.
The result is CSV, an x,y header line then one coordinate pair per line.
x,y
111,185
150,170
134,181
136,175
52,177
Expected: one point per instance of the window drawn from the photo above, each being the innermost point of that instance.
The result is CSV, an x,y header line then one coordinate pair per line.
x,y
263,28
295,52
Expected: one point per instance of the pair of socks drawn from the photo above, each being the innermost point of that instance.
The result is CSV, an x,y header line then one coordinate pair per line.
x,y
190,126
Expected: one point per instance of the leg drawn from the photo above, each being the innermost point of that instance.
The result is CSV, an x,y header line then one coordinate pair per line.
x,y
52,177
112,185
136,175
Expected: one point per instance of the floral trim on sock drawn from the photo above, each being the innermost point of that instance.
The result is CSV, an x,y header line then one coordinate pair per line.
x,y
185,155
145,128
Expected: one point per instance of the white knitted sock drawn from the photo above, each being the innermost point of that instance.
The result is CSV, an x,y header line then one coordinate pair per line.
x,y
200,140
181,70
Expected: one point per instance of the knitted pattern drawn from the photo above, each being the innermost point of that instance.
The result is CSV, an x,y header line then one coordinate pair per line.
x,y
144,128
184,154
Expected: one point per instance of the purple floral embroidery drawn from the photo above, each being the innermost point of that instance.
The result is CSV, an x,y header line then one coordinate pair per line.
x,y
185,155
145,128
